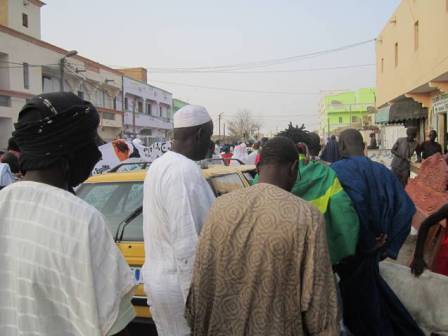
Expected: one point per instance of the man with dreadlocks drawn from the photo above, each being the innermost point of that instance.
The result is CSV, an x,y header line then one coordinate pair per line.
x,y
318,184
61,271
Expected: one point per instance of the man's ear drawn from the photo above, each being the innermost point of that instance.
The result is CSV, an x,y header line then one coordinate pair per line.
x,y
199,134
293,168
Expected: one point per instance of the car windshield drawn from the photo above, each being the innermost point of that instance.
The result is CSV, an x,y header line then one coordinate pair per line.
x,y
117,201
125,167
224,184
223,162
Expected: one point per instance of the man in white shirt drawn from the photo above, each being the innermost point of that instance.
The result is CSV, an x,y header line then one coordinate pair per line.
x,y
176,201
61,272
252,158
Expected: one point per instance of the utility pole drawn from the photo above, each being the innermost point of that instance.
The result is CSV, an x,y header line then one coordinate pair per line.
x,y
133,118
61,74
224,132
62,68
219,125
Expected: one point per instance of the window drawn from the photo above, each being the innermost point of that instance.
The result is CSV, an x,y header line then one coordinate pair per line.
x,y
148,109
416,35
24,20
5,101
396,54
108,116
81,94
249,177
382,65
340,120
146,132
225,183
336,103
126,104
26,75
140,107
117,201
49,85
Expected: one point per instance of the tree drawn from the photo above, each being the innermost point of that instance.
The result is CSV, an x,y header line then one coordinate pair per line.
x,y
243,126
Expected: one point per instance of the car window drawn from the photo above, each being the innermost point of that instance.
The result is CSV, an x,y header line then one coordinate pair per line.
x,y
249,177
224,184
130,167
116,201
134,230
234,162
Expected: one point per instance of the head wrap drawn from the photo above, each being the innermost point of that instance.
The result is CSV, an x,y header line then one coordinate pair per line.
x,y
191,115
57,126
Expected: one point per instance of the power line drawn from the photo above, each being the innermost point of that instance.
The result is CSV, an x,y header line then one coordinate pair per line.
x,y
268,71
239,90
265,63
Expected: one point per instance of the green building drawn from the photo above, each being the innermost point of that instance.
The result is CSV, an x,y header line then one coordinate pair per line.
x,y
350,109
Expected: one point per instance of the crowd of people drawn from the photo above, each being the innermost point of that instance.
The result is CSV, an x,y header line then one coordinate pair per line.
x,y
297,253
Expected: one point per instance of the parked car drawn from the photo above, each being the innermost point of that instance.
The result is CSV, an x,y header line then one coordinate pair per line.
x,y
119,196
130,165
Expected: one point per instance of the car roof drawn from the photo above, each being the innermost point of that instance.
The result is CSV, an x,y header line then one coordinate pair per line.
x,y
139,175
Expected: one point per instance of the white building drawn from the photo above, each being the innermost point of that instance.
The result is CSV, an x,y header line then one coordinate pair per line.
x,y
148,110
30,66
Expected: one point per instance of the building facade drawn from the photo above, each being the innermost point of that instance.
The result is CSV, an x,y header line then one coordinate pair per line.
x,y
30,66
148,111
350,109
412,67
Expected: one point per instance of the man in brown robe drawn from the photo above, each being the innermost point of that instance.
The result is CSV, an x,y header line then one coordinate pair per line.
x,y
262,265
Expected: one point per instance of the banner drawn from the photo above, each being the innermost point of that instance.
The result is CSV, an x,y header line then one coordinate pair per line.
x,y
117,151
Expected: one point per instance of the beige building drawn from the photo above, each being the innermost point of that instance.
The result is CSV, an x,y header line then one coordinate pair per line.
x,y
412,66
29,66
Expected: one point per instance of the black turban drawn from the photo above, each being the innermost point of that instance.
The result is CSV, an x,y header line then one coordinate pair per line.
x,y
56,126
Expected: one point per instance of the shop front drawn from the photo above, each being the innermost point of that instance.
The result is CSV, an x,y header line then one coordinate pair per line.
x,y
439,118
393,119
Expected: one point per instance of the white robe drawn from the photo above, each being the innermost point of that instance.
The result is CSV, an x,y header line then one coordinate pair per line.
x,y
176,201
60,270
252,157
240,153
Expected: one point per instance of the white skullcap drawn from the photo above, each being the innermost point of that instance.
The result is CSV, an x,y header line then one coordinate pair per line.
x,y
191,115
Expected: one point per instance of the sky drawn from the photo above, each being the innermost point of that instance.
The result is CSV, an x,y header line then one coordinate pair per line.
x,y
208,33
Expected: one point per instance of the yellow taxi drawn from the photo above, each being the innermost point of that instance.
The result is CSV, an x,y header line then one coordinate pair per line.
x,y
119,196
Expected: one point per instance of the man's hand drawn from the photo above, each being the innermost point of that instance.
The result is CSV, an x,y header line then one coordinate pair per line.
x,y
418,266
380,241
